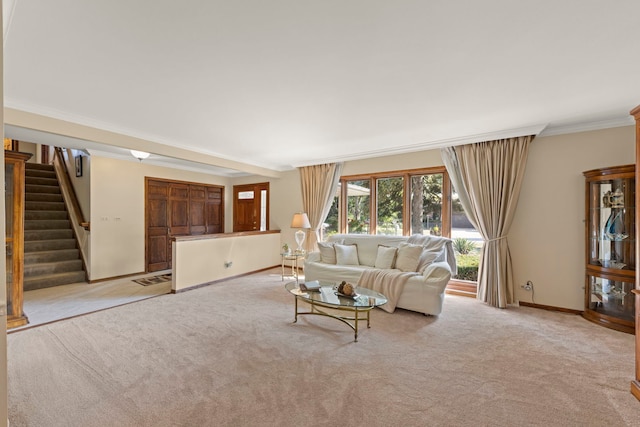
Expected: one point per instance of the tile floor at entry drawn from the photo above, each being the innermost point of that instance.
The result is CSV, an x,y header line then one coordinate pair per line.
x,y
61,302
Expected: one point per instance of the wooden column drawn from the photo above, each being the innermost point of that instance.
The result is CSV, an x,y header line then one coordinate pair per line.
x,y
14,238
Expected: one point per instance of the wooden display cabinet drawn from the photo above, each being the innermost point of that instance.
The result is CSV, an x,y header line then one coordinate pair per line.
x,y
610,247
635,383
14,239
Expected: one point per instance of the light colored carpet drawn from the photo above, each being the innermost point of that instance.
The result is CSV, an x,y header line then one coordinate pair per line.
x,y
229,355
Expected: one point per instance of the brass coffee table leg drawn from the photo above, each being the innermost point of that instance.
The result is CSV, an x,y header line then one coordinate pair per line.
x,y
352,322
355,324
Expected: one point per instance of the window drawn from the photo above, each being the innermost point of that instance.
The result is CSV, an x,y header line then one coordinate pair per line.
x,y
419,201
389,206
426,204
400,203
332,223
467,242
358,206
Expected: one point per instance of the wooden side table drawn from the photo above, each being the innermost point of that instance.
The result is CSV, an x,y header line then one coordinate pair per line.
x,y
291,256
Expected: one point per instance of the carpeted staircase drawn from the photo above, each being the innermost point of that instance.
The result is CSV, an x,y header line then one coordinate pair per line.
x,y
51,257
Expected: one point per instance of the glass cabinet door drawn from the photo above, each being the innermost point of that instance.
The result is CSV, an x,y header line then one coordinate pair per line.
x,y
611,297
612,224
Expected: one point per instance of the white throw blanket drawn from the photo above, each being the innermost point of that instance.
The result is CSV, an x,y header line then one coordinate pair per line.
x,y
437,244
389,283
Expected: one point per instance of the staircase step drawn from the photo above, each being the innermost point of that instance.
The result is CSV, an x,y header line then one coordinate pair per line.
x,y
44,206
34,188
42,173
43,197
38,166
32,235
34,180
33,215
39,269
50,224
50,280
51,256
48,245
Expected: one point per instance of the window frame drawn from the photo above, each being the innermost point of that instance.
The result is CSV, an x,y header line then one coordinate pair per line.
x,y
455,286
406,174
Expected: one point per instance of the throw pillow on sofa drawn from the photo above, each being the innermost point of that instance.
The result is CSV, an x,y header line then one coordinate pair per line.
x,y
346,254
386,257
427,258
327,252
408,257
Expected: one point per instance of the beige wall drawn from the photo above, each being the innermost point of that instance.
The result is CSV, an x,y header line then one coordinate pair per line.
x,y
420,159
196,262
117,212
547,235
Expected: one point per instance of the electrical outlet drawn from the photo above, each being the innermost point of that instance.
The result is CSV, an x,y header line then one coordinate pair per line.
x,y
527,286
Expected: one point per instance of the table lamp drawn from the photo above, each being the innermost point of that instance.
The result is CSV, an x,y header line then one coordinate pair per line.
x,y
300,220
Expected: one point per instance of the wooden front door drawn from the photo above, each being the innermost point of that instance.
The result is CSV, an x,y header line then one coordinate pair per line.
x,y
251,207
179,209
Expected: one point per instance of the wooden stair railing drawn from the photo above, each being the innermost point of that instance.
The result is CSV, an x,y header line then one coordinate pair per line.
x,y
65,182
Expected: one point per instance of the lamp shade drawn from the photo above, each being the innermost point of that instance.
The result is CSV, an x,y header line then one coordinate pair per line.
x,y
140,155
300,220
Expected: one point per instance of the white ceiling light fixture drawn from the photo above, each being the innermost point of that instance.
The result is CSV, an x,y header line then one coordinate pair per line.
x,y
140,155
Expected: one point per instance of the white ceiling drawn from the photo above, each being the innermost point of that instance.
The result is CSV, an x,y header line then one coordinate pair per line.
x,y
285,83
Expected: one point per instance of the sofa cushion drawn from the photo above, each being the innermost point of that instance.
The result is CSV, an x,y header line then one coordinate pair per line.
x,y
327,252
367,244
408,257
346,254
386,257
427,258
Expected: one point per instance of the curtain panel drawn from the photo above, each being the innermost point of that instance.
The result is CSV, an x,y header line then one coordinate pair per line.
x,y
488,177
319,184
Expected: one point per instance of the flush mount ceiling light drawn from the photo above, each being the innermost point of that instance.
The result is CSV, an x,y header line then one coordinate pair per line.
x,y
140,155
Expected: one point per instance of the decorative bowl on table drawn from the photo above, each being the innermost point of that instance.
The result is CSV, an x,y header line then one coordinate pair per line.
x,y
345,289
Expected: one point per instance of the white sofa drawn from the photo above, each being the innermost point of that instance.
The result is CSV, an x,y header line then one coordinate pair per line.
x,y
423,291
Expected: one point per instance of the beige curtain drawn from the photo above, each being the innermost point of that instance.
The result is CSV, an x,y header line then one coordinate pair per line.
x,y
488,177
319,184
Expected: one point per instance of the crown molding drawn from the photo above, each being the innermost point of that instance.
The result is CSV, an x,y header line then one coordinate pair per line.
x,y
614,122
433,145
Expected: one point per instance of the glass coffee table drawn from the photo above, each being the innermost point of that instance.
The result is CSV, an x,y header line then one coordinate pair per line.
x,y
327,297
